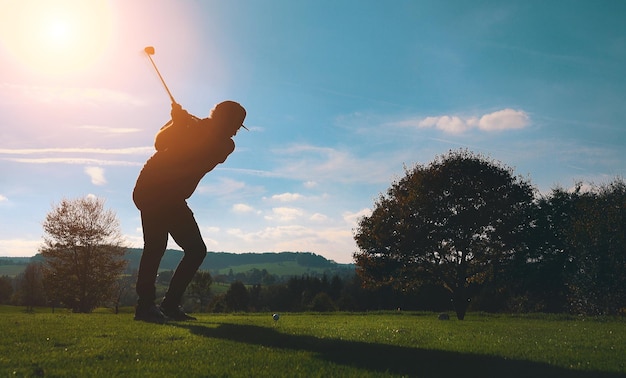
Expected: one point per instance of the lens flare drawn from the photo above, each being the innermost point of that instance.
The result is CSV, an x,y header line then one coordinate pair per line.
x,y
57,36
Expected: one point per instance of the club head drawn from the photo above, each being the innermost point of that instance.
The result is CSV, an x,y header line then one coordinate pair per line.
x,y
149,50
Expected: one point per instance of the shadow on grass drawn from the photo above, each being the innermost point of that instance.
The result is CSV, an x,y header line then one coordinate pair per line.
x,y
414,362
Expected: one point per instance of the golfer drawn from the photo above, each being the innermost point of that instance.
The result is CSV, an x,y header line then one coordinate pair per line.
x,y
186,149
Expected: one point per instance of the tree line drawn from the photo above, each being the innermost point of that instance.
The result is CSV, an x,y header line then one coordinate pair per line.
x,y
467,224
462,233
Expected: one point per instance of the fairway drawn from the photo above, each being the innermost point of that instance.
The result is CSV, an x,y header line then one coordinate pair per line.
x,y
323,345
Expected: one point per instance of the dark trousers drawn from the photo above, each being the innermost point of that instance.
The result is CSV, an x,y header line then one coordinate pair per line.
x,y
159,222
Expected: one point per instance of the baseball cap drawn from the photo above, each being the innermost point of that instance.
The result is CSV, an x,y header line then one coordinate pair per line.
x,y
229,109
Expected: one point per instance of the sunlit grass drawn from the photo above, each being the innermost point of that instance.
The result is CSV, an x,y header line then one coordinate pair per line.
x,y
337,344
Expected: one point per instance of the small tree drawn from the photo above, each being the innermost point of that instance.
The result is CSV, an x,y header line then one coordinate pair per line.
x,y
6,289
30,291
452,223
200,288
237,297
83,253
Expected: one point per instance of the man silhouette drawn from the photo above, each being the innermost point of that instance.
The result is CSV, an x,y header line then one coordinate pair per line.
x,y
186,149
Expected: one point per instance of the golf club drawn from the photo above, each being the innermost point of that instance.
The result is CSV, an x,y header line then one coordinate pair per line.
x,y
149,50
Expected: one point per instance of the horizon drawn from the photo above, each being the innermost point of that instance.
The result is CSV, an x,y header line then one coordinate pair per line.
x,y
339,99
208,252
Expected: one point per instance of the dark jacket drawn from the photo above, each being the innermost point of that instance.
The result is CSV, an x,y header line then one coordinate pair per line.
x,y
185,152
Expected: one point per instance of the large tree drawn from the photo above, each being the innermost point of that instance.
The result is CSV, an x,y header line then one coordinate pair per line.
x,y
83,251
454,222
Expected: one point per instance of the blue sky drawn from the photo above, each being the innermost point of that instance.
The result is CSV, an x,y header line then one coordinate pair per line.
x,y
341,95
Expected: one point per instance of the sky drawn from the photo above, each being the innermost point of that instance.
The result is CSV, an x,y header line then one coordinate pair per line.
x,y
341,96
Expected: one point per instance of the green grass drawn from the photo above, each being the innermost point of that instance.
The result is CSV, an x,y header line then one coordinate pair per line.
x,y
310,345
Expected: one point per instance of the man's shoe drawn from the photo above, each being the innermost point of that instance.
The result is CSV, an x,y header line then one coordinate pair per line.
x,y
176,313
150,313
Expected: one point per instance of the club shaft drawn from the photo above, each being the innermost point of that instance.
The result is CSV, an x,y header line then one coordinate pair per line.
x,y
161,77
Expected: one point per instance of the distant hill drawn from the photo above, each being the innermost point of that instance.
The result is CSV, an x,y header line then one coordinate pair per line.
x,y
277,263
280,264
12,266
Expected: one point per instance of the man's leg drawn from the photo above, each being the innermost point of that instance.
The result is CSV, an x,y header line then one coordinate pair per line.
x,y
155,234
187,235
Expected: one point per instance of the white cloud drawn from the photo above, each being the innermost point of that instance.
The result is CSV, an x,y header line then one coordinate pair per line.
x,y
242,208
317,217
447,124
96,174
352,218
3,198
287,197
505,119
285,214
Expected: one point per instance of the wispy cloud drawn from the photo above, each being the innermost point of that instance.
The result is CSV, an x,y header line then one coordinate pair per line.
x,y
72,160
83,155
3,198
505,119
48,94
109,130
69,160
104,151
313,164
224,187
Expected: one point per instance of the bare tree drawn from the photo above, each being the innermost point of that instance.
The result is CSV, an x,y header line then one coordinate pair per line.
x,y
83,251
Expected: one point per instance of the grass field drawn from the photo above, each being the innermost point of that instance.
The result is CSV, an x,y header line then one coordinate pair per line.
x,y
11,270
310,345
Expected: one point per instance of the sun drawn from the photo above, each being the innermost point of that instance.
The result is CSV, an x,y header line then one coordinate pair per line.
x,y
55,37
60,32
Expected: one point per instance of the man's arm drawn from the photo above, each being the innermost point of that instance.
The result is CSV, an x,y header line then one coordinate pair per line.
x,y
173,133
218,153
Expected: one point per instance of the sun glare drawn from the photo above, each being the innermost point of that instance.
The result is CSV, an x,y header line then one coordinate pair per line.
x,y
59,32
57,36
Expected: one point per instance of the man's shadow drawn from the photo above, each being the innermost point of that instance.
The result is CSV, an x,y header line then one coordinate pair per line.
x,y
409,361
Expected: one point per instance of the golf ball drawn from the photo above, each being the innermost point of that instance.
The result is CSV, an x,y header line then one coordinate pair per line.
x,y
275,317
